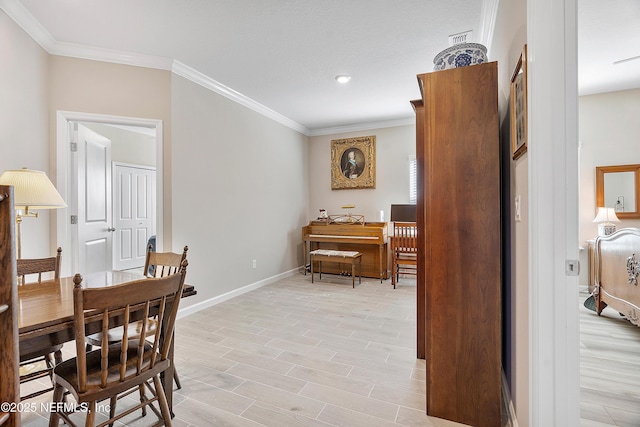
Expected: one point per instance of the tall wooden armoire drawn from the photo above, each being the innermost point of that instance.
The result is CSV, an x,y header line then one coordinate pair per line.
x,y
9,359
459,242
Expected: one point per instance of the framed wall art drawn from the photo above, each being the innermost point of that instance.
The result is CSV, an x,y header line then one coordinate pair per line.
x,y
519,106
353,163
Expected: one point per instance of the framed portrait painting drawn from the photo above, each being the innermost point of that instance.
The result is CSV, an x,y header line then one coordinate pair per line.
x,y
519,106
353,163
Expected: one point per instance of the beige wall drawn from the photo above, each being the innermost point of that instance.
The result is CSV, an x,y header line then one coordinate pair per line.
x,y
240,191
24,87
509,37
394,145
96,87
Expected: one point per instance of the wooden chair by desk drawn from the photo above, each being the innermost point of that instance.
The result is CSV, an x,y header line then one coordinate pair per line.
x,y
404,250
124,366
26,268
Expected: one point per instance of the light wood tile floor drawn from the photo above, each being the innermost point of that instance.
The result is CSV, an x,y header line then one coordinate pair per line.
x,y
609,369
293,353
297,354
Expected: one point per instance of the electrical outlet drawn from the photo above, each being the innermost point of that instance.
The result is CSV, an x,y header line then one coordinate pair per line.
x,y
254,263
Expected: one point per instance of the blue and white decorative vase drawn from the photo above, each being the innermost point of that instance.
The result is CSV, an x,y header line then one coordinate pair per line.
x,y
460,55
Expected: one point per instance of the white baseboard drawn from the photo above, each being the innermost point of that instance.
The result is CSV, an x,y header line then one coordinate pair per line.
x,y
232,294
512,421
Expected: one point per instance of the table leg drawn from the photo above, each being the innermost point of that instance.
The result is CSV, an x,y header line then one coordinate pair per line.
x,y
305,268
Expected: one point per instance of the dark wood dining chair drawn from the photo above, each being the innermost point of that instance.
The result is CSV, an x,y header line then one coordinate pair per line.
x,y
157,264
49,355
116,369
27,267
161,264
404,250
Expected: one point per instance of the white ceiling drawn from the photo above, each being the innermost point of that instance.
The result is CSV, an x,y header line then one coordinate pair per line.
x,y
280,57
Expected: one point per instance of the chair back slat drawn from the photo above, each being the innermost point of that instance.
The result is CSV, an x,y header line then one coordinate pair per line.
x,y
121,301
124,343
38,266
104,350
156,337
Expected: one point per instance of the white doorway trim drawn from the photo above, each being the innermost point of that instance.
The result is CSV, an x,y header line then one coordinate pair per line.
x,y
63,163
554,357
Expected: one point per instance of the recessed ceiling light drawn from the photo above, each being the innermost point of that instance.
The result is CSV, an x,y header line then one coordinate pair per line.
x,y
343,78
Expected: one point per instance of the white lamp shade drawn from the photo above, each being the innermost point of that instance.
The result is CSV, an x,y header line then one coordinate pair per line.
x,y
32,189
606,215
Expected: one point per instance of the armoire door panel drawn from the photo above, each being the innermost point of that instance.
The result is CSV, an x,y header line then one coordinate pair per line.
x,y
460,229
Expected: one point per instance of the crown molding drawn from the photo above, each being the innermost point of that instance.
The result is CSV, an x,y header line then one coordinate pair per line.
x,y
207,82
111,55
488,24
364,126
16,11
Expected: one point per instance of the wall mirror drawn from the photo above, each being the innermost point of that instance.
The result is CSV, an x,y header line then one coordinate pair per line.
x,y
618,187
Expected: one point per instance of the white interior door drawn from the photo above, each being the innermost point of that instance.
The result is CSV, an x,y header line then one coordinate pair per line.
x,y
134,214
93,178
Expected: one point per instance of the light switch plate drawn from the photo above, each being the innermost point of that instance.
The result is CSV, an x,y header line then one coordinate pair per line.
x,y
518,217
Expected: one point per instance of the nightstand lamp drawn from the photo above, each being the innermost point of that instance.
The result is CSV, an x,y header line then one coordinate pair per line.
x,y
605,219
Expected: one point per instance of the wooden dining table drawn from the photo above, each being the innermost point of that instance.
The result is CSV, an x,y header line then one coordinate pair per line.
x,y
45,313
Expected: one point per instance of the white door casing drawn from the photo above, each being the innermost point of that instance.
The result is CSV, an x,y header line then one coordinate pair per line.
x,y
133,213
66,235
93,185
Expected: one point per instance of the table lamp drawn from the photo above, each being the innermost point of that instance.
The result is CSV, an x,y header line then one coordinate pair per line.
x,y
32,190
605,219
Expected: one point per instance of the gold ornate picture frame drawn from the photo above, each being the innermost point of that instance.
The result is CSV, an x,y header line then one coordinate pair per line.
x,y
519,106
353,163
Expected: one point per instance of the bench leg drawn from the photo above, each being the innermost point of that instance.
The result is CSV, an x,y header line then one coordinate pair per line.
x,y
353,273
311,269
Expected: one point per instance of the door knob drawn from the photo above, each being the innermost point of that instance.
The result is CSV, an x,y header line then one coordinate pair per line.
x,y
111,229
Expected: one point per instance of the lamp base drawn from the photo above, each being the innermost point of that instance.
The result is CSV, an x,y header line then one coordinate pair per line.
x,y
606,229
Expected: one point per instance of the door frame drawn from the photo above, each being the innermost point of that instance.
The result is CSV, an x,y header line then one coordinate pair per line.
x,y
63,138
554,356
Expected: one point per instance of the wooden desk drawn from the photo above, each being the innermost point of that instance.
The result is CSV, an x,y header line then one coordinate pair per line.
x,y
45,313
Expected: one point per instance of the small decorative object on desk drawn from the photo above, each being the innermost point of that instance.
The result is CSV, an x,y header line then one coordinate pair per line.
x,y
460,55
323,215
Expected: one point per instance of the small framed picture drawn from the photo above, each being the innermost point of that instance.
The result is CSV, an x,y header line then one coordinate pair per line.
x,y
353,163
519,106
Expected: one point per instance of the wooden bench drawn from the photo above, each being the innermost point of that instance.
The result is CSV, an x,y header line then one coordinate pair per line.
x,y
338,256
